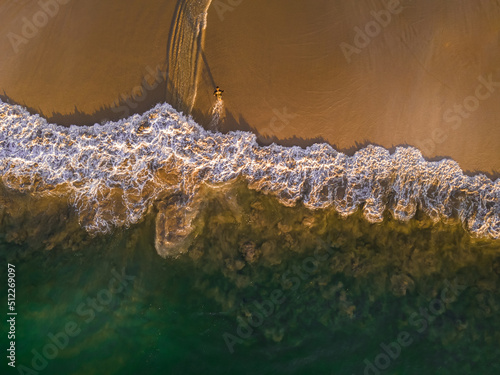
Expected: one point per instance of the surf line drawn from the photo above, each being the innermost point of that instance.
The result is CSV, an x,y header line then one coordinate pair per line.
x,y
187,37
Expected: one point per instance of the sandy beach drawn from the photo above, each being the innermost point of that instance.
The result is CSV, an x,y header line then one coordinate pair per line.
x,y
390,73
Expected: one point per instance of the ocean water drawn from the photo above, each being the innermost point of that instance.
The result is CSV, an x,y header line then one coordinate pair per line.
x,y
153,246
262,289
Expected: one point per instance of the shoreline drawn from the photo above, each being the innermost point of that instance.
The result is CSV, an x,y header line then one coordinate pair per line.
x,y
162,153
81,120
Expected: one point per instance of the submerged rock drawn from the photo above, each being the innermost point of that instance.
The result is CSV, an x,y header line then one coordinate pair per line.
x,y
250,252
173,227
400,284
270,253
284,228
308,221
234,264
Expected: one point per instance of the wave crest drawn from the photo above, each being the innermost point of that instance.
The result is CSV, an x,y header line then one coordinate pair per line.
x,y
113,173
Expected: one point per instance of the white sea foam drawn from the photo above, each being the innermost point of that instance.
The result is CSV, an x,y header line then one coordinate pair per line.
x,y
217,113
113,173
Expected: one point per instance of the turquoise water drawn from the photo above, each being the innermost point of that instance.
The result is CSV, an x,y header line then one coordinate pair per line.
x,y
342,289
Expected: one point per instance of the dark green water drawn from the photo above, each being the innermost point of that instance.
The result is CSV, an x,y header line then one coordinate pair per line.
x,y
334,293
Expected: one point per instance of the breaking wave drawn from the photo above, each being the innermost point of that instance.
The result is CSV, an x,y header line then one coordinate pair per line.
x,y
113,173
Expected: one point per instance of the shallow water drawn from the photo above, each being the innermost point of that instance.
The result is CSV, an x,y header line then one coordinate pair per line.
x,y
112,175
342,288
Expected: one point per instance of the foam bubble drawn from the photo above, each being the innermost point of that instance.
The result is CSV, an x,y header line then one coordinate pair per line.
x,y
113,173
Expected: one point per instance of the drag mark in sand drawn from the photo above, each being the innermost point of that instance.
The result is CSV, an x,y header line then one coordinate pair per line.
x,y
184,52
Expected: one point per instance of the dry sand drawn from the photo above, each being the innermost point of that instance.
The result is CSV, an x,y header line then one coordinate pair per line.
x,y
284,73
